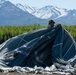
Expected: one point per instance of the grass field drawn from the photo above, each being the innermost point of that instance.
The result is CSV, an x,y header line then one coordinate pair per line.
x,y
7,32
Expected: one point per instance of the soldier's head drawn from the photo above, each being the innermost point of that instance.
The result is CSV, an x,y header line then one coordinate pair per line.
x,y
51,23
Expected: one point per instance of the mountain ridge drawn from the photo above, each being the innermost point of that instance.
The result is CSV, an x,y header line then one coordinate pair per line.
x,y
18,14
60,15
44,10
12,15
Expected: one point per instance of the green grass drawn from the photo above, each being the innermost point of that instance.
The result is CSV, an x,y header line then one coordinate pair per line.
x,y
7,32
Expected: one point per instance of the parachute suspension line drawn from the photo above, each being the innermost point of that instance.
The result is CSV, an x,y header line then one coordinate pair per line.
x,y
20,41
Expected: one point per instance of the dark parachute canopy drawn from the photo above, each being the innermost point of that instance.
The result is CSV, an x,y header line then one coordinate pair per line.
x,y
42,47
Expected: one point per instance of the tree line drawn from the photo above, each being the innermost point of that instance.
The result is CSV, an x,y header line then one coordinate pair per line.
x,y
7,32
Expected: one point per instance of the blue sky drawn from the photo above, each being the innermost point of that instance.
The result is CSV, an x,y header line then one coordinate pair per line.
x,y
68,4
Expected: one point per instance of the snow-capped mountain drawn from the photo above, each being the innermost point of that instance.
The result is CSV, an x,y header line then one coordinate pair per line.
x,y
18,14
27,8
60,15
45,12
69,19
12,15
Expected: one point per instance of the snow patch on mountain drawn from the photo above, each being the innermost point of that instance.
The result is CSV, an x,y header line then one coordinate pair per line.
x,y
74,14
50,12
27,8
1,2
45,12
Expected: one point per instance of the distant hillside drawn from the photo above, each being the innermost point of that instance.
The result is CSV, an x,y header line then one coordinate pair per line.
x,y
19,14
60,15
12,15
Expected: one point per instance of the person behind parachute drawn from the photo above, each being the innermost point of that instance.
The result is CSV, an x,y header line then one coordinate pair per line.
x,y
52,24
